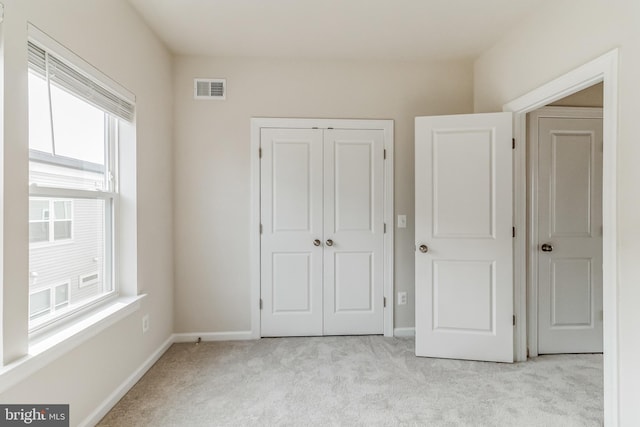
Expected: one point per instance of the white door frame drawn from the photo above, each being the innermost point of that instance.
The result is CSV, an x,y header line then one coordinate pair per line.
x,y
254,225
533,254
602,69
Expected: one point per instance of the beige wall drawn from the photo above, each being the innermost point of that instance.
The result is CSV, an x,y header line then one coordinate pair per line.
x,y
589,97
109,35
558,39
212,173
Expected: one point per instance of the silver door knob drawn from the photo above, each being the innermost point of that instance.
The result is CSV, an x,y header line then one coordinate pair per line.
x,y
423,248
329,242
317,242
546,247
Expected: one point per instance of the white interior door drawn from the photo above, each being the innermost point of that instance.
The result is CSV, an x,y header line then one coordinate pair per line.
x,y
464,263
569,235
292,232
322,241
353,231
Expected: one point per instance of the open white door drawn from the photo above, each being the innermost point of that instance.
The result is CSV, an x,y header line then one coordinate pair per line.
x,y
464,263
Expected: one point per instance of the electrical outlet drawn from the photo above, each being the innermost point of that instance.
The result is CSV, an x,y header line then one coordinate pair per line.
x,y
145,323
402,298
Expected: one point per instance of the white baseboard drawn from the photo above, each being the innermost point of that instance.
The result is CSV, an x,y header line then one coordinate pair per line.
x,y
213,336
118,393
404,332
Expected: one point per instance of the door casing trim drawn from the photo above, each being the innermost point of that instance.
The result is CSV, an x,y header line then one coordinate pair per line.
x,y
602,69
258,123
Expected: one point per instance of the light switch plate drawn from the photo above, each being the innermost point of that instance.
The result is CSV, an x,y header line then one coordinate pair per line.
x,y
402,221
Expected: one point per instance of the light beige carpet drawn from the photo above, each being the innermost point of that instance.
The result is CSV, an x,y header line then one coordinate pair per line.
x,y
357,381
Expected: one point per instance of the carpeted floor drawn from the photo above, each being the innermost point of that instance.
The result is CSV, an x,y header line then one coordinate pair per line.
x,y
357,381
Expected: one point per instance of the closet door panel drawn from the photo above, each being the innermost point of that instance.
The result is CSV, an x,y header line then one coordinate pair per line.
x,y
291,216
353,231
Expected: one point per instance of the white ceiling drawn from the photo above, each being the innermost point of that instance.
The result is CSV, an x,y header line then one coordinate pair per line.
x,y
356,29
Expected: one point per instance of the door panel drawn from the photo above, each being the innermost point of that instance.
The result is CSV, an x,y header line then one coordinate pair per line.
x,y
292,283
353,186
291,212
353,215
464,278
571,292
353,282
453,191
570,182
291,180
463,296
570,221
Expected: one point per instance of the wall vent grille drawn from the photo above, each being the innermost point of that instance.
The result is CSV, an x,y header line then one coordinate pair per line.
x,y
210,89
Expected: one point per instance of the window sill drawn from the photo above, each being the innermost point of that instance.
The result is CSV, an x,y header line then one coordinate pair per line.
x,y
64,340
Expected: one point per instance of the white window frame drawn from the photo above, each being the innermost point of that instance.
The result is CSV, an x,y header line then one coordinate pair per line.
x,y
109,195
111,201
26,354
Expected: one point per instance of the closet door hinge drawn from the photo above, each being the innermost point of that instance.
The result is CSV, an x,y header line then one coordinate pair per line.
x,y
384,301
384,227
513,232
260,228
514,320
513,143
384,154
259,153
260,303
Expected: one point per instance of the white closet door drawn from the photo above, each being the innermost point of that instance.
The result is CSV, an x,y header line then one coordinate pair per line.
x,y
570,228
291,216
353,231
464,264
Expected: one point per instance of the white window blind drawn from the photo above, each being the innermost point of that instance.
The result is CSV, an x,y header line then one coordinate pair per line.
x,y
58,72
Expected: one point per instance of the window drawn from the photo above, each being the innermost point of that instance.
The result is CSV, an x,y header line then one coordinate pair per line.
x,y
45,301
50,220
73,180
39,304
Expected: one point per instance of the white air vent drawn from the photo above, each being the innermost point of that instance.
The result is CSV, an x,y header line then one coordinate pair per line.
x,y
210,89
88,280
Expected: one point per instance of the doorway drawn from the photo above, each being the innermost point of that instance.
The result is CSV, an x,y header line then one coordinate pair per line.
x,y
602,69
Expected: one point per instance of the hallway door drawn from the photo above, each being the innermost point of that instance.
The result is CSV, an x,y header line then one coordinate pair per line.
x,y
569,246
